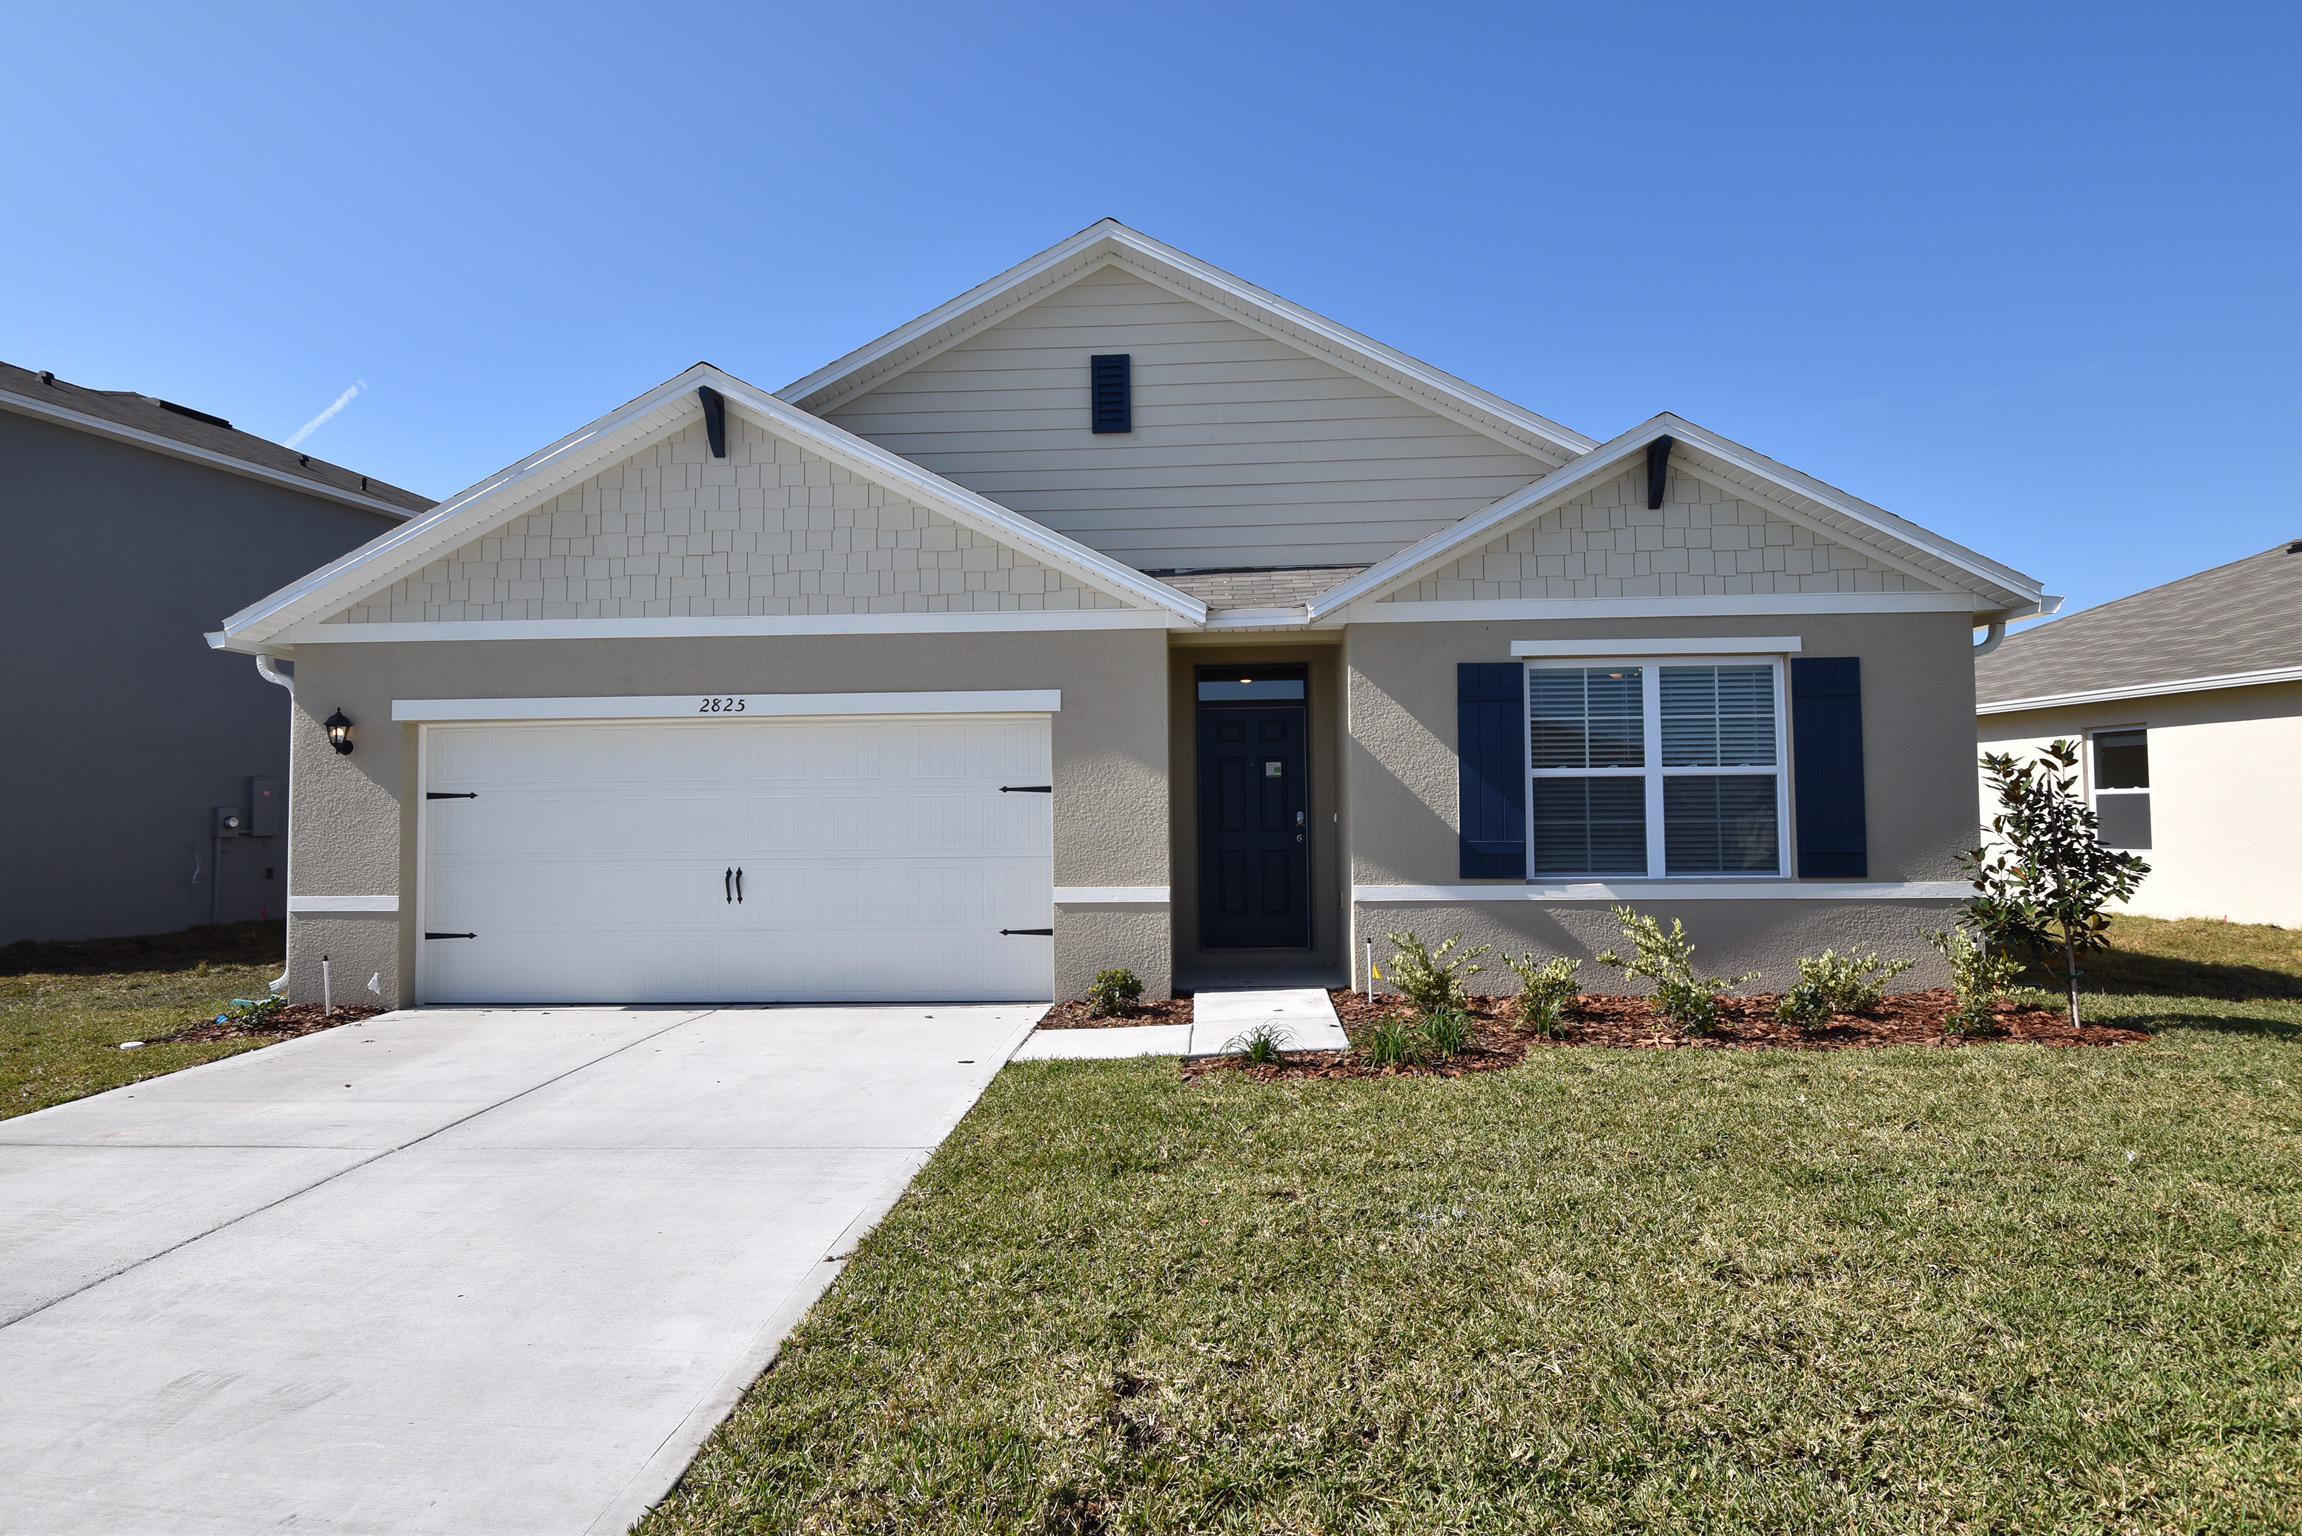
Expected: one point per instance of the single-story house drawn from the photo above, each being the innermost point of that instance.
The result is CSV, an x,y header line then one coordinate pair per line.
x,y
2187,704
144,775
1116,612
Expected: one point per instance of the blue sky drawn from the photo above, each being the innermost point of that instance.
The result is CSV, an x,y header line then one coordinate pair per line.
x,y
2026,274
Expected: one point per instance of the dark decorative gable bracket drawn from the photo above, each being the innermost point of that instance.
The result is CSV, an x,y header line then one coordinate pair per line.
x,y
714,419
1658,469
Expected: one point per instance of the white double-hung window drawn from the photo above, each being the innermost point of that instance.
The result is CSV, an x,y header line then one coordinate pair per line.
x,y
1656,767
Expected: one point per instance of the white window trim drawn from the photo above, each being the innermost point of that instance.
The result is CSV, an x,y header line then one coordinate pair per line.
x,y
1683,888
754,706
2089,778
1738,647
1653,772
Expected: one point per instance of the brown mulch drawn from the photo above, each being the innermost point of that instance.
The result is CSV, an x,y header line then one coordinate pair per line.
x,y
1074,1015
1499,1040
291,1021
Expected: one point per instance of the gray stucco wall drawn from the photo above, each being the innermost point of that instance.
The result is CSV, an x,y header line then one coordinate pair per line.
x,y
1109,741
1917,706
123,727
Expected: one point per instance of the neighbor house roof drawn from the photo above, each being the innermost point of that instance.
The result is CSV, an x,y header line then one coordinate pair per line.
x,y
2229,627
182,432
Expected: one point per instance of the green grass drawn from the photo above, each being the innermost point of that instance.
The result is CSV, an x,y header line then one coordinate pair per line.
x,y
1911,1290
66,1008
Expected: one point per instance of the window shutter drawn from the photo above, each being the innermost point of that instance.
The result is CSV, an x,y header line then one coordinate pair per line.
x,y
1111,391
1826,767
1491,758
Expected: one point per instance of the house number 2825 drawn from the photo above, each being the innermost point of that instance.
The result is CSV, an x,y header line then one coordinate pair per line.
x,y
719,706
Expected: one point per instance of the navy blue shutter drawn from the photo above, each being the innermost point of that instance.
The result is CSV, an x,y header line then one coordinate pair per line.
x,y
1111,391
1491,757
1826,767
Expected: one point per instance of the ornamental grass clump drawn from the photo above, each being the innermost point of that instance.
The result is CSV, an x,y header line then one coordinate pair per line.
x,y
1547,990
1432,980
1830,984
1682,994
1260,1046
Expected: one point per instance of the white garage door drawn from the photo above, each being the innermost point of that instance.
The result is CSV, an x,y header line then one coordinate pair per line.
x,y
847,860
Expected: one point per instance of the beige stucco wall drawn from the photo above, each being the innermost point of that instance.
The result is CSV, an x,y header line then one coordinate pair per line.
x,y
2225,812
1400,774
1702,541
353,836
769,529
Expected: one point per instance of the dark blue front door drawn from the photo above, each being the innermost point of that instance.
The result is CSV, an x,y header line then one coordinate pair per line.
x,y
1254,832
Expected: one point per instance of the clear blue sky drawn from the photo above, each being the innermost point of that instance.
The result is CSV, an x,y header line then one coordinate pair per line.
x,y
2030,275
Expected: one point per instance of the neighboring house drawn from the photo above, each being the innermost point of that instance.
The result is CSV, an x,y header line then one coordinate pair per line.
x,y
2187,702
143,775
1115,613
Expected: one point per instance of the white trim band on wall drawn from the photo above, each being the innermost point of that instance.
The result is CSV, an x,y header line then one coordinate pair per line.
x,y
316,905
1635,891
706,626
1731,645
717,707
1111,896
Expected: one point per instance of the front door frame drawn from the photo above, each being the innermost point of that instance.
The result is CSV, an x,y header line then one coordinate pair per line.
x,y
1296,671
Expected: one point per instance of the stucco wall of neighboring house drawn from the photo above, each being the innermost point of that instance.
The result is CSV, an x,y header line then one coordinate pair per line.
x,y
769,529
1702,541
1400,772
1245,451
355,836
123,727
2226,818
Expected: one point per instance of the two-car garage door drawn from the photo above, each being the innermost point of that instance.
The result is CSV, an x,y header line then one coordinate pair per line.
x,y
729,860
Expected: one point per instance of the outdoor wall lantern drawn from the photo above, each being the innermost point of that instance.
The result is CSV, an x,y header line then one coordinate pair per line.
x,y
339,732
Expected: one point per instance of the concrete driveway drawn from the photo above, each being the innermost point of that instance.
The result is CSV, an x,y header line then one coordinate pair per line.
x,y
472,1271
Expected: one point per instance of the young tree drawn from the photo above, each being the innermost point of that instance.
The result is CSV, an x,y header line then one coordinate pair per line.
x,y
2043,883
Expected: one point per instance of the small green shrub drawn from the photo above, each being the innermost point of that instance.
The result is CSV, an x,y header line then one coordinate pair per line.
x,y
1445,1033
1260,1046
1433,980
1547,989
253,1012
1114,993
1979,977
1391,1043
1831,984
1682,994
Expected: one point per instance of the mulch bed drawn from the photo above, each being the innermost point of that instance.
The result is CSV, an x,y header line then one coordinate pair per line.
x,y
291,1021
1499,1040
1074,1015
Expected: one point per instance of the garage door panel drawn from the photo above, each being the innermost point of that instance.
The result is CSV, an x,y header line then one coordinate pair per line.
x,y
880,860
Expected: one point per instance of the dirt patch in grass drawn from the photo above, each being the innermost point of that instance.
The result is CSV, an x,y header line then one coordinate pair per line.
x,y
189,950
1074,1015
1499,1039
291,1021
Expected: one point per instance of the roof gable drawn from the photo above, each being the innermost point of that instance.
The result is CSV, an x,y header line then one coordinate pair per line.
x,y
671,408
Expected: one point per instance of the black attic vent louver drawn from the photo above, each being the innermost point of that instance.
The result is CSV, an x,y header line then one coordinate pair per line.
x,y
1111,390
185,410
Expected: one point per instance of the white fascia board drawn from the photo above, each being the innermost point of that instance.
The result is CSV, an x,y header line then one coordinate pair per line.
x,y
2144,690
708,626
719,708
1727,645
951,322
192,453
1531,501
1756,605
1636,891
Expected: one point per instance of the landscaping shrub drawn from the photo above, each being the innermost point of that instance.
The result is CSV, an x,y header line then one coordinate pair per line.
x,y
1114,993
1391,1043
1547,989
1261,1045
1979,976
1831,984
1433,980
1445,1032
1682,994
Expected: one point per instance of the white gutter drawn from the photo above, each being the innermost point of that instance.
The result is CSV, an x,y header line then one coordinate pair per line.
x,y
268,668
1992,638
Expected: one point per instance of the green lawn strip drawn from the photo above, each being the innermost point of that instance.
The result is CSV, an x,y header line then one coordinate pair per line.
x,y
1972,1289
60,1034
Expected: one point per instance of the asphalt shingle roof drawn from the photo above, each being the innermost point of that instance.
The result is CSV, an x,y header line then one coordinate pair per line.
x,y
162,419
1290,588
2242,617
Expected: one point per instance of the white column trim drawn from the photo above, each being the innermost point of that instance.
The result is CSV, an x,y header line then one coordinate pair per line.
x,y
1111,896
316,905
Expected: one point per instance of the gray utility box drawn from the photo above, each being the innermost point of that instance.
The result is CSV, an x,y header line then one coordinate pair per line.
x,y
267,806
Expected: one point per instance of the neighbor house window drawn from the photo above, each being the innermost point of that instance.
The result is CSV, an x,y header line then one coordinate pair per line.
x,y
2122,787
1655,768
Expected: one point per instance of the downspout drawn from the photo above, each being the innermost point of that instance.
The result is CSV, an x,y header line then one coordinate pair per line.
x,y
1991,638
268,669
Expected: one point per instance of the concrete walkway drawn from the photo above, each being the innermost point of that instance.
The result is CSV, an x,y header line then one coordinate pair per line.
x,y
456,1271
1305,1016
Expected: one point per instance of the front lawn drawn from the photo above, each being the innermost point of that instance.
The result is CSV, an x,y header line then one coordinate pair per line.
x,y
65,1009
1888,1290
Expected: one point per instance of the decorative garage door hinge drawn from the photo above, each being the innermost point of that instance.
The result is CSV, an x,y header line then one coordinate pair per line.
x,y
451,935
1027,789
451,794
1044,933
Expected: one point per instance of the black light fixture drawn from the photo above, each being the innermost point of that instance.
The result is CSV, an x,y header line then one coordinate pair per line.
x,y
339,732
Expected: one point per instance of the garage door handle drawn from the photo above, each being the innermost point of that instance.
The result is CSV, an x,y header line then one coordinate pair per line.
x,y
1027,789
727,885
739,885
1044,933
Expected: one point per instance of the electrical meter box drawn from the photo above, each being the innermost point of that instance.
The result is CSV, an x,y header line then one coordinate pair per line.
x,y
267,807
